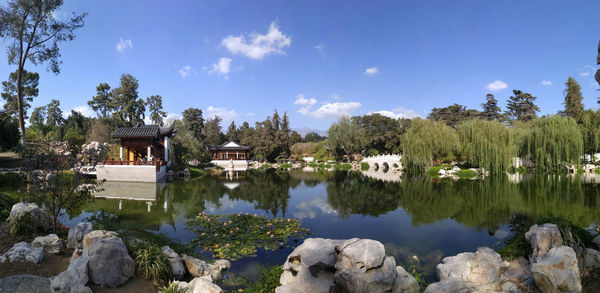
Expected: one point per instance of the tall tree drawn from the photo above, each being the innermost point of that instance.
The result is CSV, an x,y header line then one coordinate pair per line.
x,y
29,88
428,140
232,132
589,125
213,133
155,107
453,114
38,116
131,110
33,33
283,137
598,71
193,121
521,106
573,99
346,137
54,115
491,111
103,102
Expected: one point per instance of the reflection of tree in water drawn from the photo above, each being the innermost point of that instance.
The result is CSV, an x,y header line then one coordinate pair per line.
x,y
268,190
351,193
192,196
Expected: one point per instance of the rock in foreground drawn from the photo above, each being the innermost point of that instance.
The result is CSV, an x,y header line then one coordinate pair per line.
x,y
76,234
75,278
110,265
25,284
22,251
39,218
50,243
557,271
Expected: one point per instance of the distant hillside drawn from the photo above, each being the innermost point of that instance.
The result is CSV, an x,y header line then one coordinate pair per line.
x,y
305,130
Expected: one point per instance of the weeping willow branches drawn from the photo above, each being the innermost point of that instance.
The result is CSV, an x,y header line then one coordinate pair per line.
x,y
486,144
427,140
554,140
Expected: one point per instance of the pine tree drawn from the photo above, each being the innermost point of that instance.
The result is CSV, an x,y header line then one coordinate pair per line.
x,y
573,99
521,106
491,111
54,115
232,132
154,104
103,102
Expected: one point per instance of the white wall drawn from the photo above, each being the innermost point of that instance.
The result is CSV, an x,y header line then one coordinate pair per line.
x,y
129,173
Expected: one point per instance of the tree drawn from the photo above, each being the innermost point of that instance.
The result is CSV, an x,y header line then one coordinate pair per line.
x,y
491,111
283,137
553,141
9,132
232,132
34,33
381,131
193,121
295,137
54,115
103,102
486,144
428,140
313,137
453,114
521,106
573,99
597,76
38,116
589,125
29,87
155,107
130,109
213,133
346,137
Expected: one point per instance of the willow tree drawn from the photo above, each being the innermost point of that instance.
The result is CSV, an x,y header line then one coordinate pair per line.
x,y
589,125
346,137
427,140
554,140
486,144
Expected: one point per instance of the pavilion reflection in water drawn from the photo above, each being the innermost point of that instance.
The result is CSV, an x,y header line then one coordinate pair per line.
x,y
135,191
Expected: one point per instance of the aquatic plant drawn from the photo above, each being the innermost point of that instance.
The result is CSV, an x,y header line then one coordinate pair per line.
x,y
434,171
152,264
486,144
269,280
364,166
240,235
427,140
466,174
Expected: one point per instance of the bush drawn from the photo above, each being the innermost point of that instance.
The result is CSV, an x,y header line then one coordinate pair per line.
x,y
196,172
152,264
269,280
364,166
434,171
285,166
171,288
22,225
466,174
6,203
11,179
343,166
580,170
597,170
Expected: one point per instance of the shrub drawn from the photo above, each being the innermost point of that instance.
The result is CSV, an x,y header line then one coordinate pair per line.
x,y
364,166
466,174
269,280
22,225
597,170
6,203
11,179
266,166
196,172
152,264
285,166
580,170
434,171
343,166
171,288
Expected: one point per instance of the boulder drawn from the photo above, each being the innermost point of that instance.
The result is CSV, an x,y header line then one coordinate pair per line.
x,y
110,265
177,266
76,253
198,285
25,284
597,240
479,268
557,271
22,251
40,219
448,286
363,267
200,268
76,234
75,278
405,282
50,243
591,259
89,238
542,239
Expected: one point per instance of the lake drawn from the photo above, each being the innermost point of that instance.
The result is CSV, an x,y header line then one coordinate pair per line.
x,y
419,219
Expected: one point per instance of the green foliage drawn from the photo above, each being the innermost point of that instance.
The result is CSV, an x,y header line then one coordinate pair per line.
x,y
154,104
383,134
453,114
22,225
346,137
420,277
103,102
428,140
521,106
29,88
589,125
237,236
170,288
434,171
9,132
130,109
343,166
597,170
364,166
486,144
322,155
305,149
554,140
269,280
6,203
573,99
265,166
152,264
285,166
197,172
491,111
580,170
466,174
11,179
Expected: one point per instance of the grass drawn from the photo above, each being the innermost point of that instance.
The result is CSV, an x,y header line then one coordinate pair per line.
x,y
22,225
434,171
197,172
364,166
466,174
152,264
170,288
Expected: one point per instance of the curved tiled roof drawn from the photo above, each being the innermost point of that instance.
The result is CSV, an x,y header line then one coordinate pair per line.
x,y
142,131
230,146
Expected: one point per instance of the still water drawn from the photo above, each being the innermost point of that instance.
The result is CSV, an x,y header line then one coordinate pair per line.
x,y
419,219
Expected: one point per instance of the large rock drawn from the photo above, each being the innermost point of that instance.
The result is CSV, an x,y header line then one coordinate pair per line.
x,y
557,271
448,286
200,268
542,239
40,219
405,282
110,265
177,266
25,284
75,278
89,238
22,251
76,234
50,243
591,259
198,285
597,240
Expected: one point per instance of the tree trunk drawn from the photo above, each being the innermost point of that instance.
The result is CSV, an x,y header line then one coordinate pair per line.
x,y
20,108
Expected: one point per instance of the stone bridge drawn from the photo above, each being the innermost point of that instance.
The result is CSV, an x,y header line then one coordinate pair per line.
x,y
384,163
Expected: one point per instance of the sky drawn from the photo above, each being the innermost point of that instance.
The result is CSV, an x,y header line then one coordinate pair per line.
x,y
319,60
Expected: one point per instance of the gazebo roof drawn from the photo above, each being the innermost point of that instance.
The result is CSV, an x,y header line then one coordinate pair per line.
x,y
229,146
143,131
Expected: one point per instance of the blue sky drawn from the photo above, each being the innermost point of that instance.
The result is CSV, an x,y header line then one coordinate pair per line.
x,y
321,59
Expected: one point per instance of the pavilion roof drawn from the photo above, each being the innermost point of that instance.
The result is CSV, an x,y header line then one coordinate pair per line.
x,y
229,146
143,131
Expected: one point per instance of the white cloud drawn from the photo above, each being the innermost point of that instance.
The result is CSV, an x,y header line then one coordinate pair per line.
x,y
585,73
546,83
186,71
372,70
222,67
497,85
397,113
83,110
223,113
250,114
123,45
319,48
587,70
327,110
305,103
258,46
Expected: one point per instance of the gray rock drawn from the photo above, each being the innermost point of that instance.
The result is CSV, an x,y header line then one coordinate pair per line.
x,y
597,240
40,219
198,285
76,234
75,278
479,268
22,251
50,243
360,279
89,238
110,265
591,259
542,239
304,281
200,268
177,266
25,284
405,282
448,286
557,271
